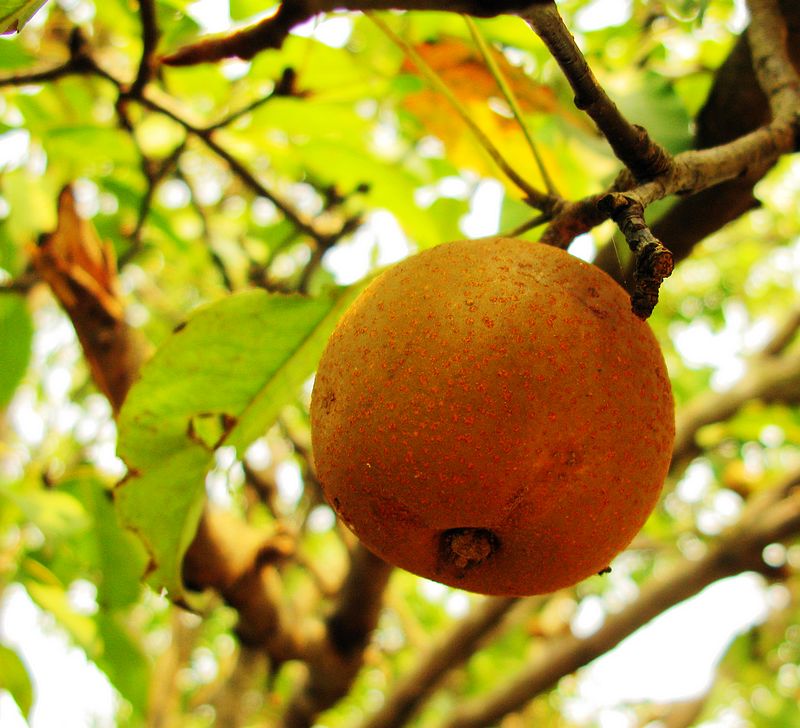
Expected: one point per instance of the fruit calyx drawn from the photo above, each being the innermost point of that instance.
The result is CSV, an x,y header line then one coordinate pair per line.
x,y
466,548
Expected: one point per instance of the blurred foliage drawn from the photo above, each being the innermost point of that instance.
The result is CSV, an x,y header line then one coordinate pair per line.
x,y
341,129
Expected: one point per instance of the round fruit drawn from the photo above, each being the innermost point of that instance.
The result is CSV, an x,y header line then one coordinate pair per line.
x,y
491,415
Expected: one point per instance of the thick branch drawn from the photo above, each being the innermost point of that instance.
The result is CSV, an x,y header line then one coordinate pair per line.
x,y
271,32
238,561
735,106
78,62
772,518
336,656
768,43
749,156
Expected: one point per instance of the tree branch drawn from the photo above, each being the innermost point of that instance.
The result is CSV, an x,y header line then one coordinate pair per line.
x,y
336,656
238,561
271,32
691,172
777,77
631,143
457,646
734,107
652,261
150,35
771,518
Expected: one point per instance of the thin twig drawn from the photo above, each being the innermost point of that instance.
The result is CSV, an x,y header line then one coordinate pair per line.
x,y
527,226
153,177
216,259
150,35
284,87
652,261
207,137
511,100
631,143
533,196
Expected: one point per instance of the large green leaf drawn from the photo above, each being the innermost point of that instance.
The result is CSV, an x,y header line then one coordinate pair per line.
x,y
15,13
15,679
16,332
221,379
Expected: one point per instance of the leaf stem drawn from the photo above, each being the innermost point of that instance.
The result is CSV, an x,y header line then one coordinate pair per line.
x,y
533,196
510,98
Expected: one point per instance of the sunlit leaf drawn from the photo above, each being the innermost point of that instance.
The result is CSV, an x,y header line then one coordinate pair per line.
x,y
16,334
58,515
15,679
461,68
53,599
123,660
14,14
239,361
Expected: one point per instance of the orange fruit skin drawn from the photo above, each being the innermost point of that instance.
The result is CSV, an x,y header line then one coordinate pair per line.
x,y
493,384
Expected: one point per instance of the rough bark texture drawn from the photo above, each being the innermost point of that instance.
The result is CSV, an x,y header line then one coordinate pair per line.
x,y
735,106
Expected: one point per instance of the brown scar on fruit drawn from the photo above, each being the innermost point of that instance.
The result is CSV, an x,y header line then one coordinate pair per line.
x,y
466,548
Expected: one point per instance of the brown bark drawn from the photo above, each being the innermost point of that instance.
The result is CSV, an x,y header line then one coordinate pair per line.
x,y
773,517
271,32
736,106
458,645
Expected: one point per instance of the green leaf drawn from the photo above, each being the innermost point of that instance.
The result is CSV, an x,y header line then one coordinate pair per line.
x,y
115,552
233,366
15,679
16,334
53,598
123,660
243,9
15,13
56,514
89,148
12,56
